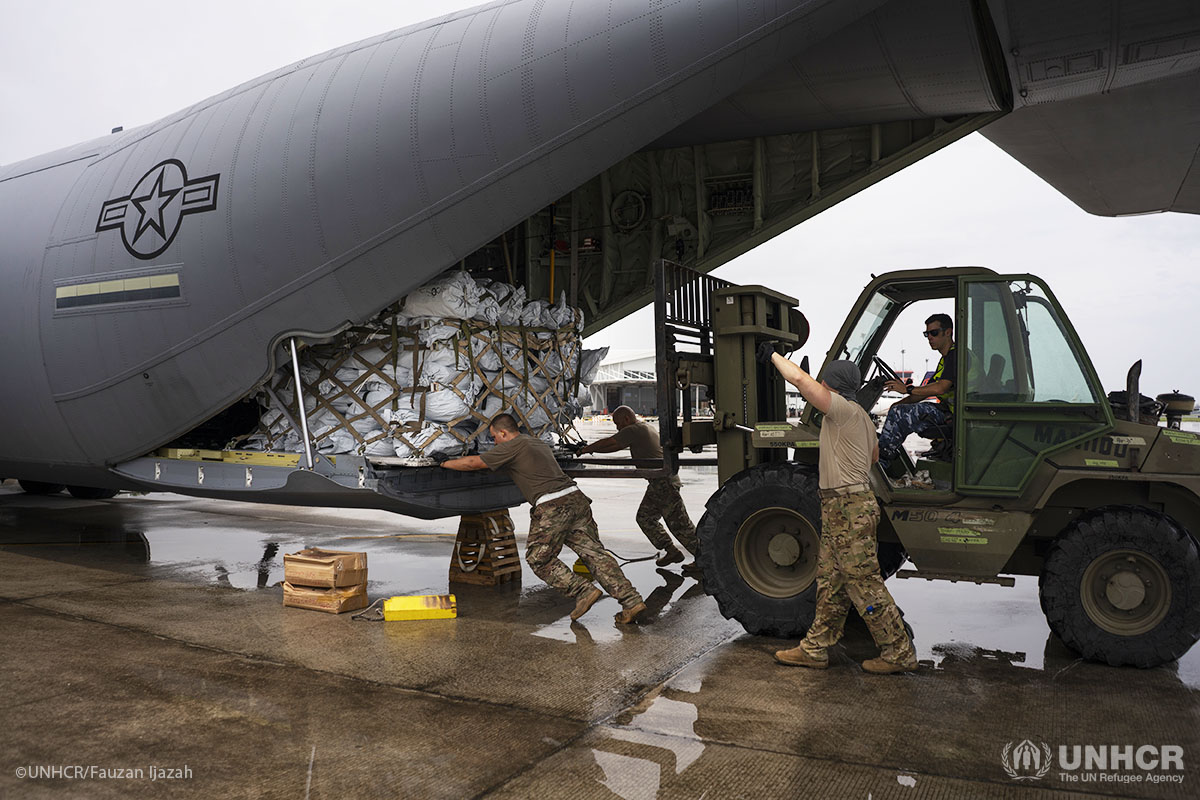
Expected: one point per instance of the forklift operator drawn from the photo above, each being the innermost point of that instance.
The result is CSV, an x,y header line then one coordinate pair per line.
x,y
908,414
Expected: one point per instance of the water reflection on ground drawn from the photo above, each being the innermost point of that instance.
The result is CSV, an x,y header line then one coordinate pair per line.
x,y
241,547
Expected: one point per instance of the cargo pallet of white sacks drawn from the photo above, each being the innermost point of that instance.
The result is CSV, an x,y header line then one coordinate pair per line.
x,y
428,374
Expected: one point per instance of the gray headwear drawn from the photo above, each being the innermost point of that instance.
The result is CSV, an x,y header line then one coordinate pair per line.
x,y
844,378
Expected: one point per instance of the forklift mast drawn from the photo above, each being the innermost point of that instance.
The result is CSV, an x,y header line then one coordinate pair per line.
x,y
707,331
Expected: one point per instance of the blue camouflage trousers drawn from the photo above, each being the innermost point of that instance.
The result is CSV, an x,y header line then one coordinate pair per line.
x,y
923,419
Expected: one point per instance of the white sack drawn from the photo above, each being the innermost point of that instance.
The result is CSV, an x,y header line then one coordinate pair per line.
x,y
383,446
591,363
488,311
534,314
432,334
512,305
440,406
429,440
452,296
560,315
374,399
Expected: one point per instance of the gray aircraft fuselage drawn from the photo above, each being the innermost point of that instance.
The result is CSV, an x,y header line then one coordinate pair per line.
x,y
149,279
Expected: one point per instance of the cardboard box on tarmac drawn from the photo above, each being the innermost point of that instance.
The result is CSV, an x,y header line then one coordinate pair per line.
x,y
325,568
332,601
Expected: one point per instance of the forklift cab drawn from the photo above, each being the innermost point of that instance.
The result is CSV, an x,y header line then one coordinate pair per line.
x,y
1026,387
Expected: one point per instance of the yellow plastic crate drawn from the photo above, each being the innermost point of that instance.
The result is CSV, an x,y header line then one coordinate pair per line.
x,y
421,606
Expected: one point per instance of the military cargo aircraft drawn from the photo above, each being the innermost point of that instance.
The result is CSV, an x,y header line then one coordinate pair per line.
x,y
152,280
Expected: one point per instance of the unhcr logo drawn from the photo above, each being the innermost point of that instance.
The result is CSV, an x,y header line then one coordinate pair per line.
x,y
1147,763
1125,764
1026,761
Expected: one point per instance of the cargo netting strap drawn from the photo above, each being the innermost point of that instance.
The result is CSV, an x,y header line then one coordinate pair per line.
x,y
366,360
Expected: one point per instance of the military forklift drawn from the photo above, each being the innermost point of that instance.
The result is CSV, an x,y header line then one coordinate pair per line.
x,y
1040,472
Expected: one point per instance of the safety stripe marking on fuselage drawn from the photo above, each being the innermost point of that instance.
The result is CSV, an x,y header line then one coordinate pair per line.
x,y
124,290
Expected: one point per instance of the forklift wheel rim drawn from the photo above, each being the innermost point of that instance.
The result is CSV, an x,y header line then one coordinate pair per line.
x,y
1126,592
752,552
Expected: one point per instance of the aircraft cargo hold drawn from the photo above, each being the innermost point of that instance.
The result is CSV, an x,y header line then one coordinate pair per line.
x,y
427,376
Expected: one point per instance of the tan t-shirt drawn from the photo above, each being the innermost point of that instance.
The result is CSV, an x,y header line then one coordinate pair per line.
x,y
848,441
530,464
642,440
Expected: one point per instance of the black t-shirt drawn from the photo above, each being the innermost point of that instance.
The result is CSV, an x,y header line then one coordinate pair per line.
x,y
948,367
947,370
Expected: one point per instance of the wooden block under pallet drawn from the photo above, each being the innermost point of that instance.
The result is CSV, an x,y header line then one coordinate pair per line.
x,y
485,552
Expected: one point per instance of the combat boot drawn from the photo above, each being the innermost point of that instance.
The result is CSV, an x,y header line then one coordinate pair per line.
x,y
672,556
586,601
627,615
799,657
877,666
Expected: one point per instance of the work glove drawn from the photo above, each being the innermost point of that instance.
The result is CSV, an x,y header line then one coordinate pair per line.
x,y
766,350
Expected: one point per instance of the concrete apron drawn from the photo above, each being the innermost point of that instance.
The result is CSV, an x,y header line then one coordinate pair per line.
x,y
148,632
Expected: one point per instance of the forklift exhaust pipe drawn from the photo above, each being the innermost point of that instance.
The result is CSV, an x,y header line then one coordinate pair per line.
x,y
1133,394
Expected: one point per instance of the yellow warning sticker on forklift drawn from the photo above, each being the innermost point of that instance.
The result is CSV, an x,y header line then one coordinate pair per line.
x,y
1101,462
961,536
1130,440
1181,437
807,443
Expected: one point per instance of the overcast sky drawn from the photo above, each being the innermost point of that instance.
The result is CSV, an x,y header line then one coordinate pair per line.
x,y
72,71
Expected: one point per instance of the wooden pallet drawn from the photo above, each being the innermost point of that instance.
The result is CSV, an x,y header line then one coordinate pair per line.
x,y
485,552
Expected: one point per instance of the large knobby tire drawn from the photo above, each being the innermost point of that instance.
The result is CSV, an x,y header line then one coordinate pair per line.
x,y
759,539
92,493
38,487
1122,585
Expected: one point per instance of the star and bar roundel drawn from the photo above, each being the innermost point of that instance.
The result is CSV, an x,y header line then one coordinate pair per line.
x,y
150,215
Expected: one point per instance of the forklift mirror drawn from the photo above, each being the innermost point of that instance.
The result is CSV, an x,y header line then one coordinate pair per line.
x,y
798,324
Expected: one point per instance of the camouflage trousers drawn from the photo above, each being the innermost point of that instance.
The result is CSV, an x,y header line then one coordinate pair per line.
x,y
927,420
568,521
848,573
662,501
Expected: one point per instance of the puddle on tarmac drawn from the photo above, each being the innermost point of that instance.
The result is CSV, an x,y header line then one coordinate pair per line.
x,y
597,627
664,726
602,630
244,559
957,623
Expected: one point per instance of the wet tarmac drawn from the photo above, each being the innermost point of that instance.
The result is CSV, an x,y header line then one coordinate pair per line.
x,y
148,631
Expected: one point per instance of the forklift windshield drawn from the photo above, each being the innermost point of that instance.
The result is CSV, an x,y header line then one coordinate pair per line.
x,y
863,338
